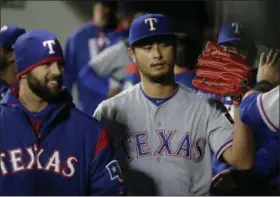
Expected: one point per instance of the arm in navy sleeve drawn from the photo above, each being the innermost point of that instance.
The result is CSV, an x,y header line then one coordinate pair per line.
x,y
94,82
267,159
269,152
247,108
70,71
255,111
106,176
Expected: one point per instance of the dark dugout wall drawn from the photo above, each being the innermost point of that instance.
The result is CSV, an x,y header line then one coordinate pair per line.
x,y
188,16
262,16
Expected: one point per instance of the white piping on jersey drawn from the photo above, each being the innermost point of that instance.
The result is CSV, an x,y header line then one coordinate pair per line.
x,y
264,115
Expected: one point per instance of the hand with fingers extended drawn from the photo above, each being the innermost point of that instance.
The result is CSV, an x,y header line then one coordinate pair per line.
x,y
269,67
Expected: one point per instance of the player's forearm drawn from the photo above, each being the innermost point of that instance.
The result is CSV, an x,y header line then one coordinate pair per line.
x,y
241,154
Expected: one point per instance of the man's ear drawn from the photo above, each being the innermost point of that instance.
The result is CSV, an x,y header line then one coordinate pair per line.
x,y
132,54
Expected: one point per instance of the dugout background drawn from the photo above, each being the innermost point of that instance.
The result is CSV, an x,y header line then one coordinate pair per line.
x,y
199,19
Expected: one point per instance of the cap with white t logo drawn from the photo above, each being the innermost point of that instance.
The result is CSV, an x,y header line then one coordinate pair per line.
x,y
148,25
34,48
231,32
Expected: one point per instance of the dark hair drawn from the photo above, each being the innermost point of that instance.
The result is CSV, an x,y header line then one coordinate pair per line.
x,y
112,5
155,38
248,46
187,52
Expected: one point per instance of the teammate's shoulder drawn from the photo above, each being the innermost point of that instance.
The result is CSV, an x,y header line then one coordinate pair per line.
x,y
193,94
86,27
84,119
186,89
203,100
216,105
124,96
89,128
212,101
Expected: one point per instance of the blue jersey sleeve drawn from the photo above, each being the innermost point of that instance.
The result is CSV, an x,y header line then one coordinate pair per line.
x,y
267,159
94,83
253,113
106,175
70,68
218,166
247,108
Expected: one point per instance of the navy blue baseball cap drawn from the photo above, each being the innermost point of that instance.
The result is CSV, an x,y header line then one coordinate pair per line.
x,y
9,35
34,48
148,25
232,32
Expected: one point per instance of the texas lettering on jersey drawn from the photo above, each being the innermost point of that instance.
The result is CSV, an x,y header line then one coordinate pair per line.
x,y
12,161
184,149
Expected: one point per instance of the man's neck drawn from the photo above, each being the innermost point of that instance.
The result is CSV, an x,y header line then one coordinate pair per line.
x,y
8,76
157,90
5,79
98,24
30,101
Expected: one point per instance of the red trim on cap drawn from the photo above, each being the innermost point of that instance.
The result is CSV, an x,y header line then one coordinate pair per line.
x,y
31,67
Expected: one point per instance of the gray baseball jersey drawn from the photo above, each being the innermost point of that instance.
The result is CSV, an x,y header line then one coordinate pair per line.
x,y
112,61
173,142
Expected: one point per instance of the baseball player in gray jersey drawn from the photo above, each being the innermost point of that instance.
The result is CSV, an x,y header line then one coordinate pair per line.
x,y
172,131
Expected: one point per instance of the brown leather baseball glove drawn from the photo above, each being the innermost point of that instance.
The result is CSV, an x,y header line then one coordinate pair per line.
x,y
222,71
